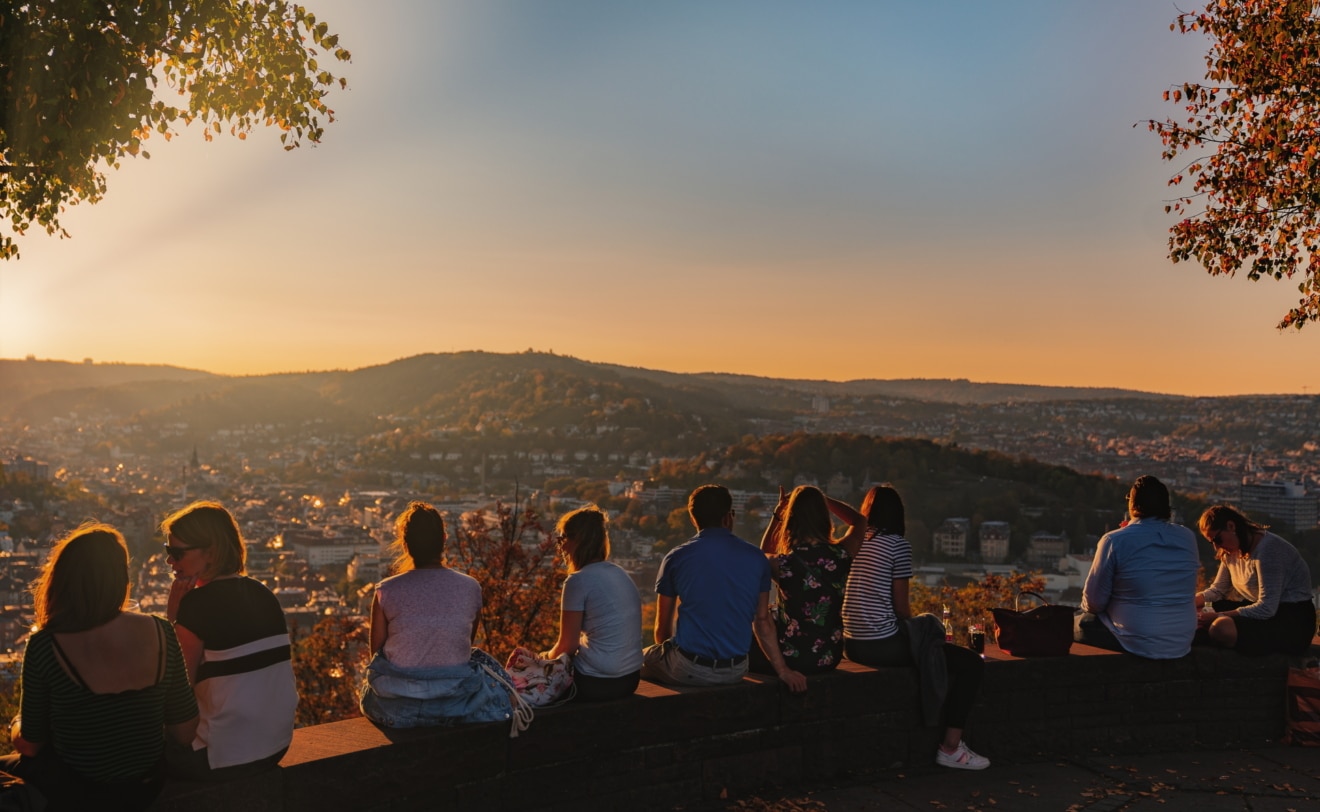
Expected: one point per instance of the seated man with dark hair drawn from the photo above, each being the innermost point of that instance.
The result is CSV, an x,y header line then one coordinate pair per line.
x,y
719,587
1140,594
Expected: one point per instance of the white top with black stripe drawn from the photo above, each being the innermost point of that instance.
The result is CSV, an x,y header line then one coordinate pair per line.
x,y
245,687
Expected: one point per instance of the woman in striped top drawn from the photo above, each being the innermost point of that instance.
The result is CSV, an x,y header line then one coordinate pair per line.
x,y
235,643
101,686
875,604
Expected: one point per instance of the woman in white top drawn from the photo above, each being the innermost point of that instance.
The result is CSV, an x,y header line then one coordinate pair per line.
x,y
1273,611
600,621
235,643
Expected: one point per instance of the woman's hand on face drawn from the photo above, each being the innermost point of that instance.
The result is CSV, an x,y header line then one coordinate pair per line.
x,y
178,589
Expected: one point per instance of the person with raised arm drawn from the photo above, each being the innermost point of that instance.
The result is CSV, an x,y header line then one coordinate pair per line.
x,y
810,568
713,597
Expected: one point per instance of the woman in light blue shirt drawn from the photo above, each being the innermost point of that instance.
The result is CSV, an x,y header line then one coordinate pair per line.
x,y
1138,595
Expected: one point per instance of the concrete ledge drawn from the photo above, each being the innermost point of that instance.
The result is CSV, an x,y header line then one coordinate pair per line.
x,y
667,746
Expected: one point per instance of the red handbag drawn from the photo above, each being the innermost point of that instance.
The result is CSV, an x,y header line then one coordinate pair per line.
x,y
1043,631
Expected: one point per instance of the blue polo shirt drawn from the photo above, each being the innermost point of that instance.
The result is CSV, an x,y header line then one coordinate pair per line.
x,y
718,579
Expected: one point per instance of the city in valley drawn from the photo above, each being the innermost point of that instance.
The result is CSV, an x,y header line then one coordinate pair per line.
x,y
317,466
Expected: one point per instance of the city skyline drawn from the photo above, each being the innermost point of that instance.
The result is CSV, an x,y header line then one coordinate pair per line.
x,y
875,190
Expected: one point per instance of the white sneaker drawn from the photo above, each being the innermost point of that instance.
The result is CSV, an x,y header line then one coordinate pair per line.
x,y
961,759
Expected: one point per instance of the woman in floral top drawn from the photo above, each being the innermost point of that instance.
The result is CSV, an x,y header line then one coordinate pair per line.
x,y
810,569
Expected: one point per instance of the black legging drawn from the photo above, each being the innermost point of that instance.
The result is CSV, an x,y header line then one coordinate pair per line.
x,y
964,665
597,689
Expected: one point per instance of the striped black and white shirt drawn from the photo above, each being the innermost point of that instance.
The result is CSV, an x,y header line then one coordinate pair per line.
x,y
868,598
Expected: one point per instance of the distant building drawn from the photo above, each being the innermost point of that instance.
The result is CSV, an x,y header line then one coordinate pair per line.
x,y
950,538
364,567
994,542
1045,550
320,550
27,467
1285,503
839,487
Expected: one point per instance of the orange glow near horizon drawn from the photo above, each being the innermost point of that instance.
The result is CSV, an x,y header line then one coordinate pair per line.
x,y
667,192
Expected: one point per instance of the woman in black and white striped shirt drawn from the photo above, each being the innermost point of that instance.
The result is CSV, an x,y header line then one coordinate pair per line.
x,y
875,604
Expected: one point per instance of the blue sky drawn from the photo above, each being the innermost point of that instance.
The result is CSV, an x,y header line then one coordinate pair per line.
x,y
841,190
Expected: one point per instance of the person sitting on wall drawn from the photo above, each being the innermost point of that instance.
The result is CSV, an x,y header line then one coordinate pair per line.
x,y
424,670
1139,594
810,567
713,596
600,617
1273,611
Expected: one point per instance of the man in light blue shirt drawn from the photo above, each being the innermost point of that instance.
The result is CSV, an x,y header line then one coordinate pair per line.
x,y
1140,594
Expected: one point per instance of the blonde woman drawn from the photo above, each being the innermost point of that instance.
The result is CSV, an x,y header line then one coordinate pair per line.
x,y
600,620
235,643
99,684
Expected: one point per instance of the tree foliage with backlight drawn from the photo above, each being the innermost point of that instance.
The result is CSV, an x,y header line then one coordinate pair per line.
x,y
85,83
1254,199
513,557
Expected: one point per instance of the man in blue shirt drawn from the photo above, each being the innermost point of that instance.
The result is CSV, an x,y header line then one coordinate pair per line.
x,y
1140,594
713,596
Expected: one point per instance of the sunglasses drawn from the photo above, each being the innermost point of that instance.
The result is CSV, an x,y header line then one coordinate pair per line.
x,y
174,553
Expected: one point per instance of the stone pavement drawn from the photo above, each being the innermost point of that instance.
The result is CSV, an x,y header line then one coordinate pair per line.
x,y
1267,779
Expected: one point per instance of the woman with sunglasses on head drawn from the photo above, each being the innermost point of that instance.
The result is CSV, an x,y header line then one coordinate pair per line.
x,y
99,684
1273,611
600,620
235,643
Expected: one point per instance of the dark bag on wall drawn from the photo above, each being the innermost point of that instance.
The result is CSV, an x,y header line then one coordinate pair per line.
x,y
1045,631
1302,706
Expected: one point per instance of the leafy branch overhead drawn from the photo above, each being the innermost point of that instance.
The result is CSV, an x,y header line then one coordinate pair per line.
x,y
1251,137
84,83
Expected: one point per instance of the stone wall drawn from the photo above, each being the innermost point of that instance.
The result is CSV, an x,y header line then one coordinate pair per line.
x,y
669,746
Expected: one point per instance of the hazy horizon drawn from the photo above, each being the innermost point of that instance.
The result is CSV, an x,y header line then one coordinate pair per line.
x,y
111,362
866,190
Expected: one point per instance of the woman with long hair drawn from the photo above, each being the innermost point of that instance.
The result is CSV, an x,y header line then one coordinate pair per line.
x,y
99,684
876,609
1274,611
810,568
600,618
235,642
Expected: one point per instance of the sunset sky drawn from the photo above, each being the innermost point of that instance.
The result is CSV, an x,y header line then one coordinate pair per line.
x,y
871,189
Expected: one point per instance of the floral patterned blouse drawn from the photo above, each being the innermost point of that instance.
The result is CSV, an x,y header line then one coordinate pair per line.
x,y
810,579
